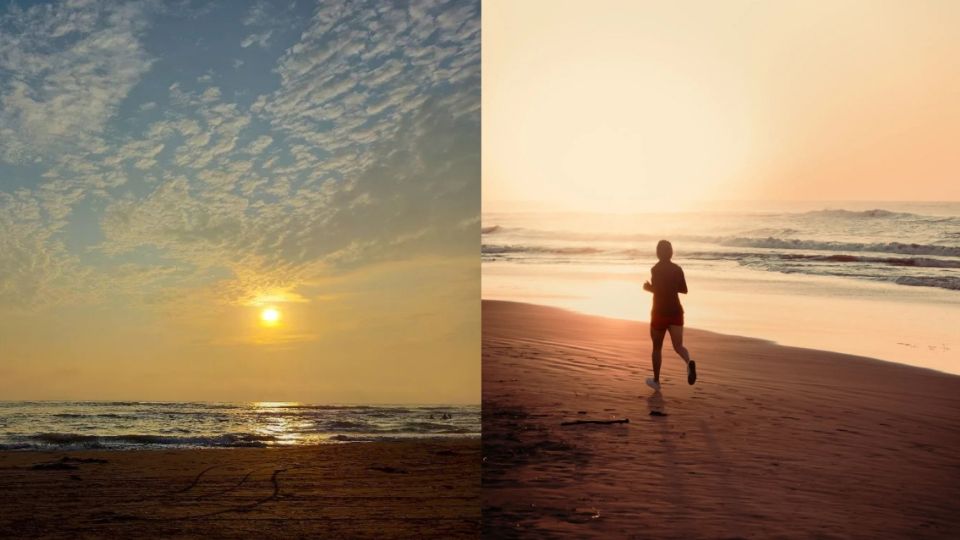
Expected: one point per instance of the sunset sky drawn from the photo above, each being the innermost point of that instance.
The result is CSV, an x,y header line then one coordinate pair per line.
x,y
635,105
169,170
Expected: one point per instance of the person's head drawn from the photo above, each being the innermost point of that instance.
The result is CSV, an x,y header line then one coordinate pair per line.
x,y
664,250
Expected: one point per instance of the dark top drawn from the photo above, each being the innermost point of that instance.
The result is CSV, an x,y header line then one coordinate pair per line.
x,y
667,280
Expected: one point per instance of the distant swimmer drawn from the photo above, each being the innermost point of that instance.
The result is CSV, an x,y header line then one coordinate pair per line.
x,y
665,283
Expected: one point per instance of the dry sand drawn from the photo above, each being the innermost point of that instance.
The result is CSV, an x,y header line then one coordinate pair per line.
x,y
772,442
377,490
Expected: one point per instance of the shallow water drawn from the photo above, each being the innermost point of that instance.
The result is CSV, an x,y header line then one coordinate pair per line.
x,y
134,424
872,279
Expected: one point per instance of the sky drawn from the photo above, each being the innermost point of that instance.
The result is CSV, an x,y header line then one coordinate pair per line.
x,y
619,105
170,170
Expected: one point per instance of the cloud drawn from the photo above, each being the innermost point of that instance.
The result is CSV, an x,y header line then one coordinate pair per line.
x,y
259,14
260,39
360,154
414,197
356,73
260,144
36,270
60,99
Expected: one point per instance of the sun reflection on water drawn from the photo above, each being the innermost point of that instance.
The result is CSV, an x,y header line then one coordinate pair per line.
x,y
284,430
275,404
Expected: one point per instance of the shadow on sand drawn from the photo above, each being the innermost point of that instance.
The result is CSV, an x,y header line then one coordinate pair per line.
x,y
657,405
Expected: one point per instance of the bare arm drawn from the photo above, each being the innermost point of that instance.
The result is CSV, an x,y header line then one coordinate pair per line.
x,y
683,283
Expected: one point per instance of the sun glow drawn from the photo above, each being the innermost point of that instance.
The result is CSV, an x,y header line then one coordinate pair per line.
x,y
270,316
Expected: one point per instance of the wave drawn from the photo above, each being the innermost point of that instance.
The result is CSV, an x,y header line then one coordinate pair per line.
x,y
432,427
856,214
397,438
78,440
942,282
819,245
408,428
898,248
153,404
141,405
344,425
853,260
97,415
917,262
765,232
488,249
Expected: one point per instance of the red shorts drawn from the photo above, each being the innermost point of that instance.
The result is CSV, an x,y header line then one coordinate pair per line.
x,y
661,322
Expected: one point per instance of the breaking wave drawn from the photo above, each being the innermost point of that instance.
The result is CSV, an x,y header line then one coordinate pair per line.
x,y
79,440
942,282
929,264
496,250
129,425
898,248
857,214
818,245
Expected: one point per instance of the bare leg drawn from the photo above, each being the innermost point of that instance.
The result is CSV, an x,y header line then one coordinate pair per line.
x,y
676,336
657,337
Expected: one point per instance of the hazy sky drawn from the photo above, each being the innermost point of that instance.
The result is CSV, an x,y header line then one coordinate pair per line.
x,y
631,105
168,170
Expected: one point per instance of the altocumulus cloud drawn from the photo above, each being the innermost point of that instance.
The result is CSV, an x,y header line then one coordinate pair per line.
x,y
141,156
65,69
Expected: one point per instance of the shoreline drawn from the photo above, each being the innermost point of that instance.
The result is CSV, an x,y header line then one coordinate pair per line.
x,y
772,441
174,448
773,342
908,325
376,490
797,330
110,425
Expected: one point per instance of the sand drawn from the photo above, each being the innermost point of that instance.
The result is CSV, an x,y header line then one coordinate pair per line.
x,y
375,490
772,441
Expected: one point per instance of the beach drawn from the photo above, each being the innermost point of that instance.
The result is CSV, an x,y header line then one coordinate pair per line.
x,y
878,279
408,489
772,441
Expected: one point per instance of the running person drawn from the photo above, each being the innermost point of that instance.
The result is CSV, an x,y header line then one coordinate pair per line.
x,y
667,315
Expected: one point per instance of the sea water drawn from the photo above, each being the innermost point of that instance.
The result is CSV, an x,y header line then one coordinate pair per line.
x,y
873,279
54,425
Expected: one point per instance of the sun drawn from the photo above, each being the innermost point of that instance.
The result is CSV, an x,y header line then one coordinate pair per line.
x,y
270,316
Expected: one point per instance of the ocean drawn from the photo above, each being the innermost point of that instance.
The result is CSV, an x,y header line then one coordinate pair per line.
x,y
127,425
876,279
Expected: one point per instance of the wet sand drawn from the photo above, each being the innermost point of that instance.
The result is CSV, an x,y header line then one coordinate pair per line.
x,y
375,490
772,442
